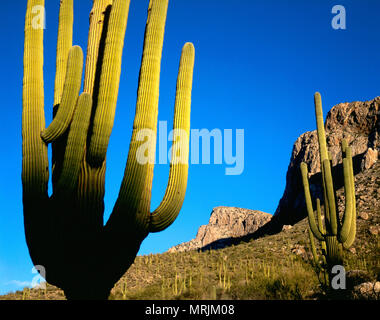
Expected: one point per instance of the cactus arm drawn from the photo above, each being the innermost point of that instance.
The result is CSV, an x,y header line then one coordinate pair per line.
x,y
344,147
351,237
75,148
330,197
91,181
347,218
320,225
109,83
320,127
98,19
64,44
319,217
134,197
348,230
35,172
313,226
69,96
323,152
171,204
313,248
35,165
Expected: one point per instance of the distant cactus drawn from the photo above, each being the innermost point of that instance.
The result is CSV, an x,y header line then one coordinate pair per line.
x,y
337,233
65,231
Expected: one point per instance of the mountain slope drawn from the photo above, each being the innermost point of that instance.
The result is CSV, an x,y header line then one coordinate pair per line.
x,y
276,264
273,267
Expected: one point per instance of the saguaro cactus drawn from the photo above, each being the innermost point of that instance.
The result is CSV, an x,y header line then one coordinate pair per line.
x,y
65,232
337,233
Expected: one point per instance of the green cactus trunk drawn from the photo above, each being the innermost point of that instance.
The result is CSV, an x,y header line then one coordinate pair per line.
x,y
333,252
65,232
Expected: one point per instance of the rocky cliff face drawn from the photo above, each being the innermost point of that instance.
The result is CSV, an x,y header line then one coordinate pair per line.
x,y
225,224
359,124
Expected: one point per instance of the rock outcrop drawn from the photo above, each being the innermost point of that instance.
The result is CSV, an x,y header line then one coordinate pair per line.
x,y
225,225
359,124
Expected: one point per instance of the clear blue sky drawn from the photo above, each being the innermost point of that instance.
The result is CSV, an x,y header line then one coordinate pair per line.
x,y
258,64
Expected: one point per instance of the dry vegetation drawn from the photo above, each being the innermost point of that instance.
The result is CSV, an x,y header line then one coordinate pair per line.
x,y
274,267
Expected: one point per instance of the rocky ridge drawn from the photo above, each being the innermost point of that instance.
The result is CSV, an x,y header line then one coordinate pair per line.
x,y
225,224
358,123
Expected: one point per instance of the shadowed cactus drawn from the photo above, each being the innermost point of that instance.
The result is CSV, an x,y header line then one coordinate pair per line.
x,y
65,232
337,233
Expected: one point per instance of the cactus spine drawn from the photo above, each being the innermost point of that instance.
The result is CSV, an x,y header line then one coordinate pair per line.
x,y
83,256
337,233
70,94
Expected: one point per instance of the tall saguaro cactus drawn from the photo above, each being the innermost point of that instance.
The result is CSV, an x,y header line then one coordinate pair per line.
x,y
337,233
65,232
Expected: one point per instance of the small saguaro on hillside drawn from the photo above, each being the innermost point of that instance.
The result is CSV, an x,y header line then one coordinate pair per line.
x,y
337,233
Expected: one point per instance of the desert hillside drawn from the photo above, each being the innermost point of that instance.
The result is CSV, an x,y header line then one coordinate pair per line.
x,y
272,267
248,254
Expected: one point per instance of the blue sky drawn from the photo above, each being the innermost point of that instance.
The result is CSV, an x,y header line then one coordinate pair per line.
x,y
257,66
